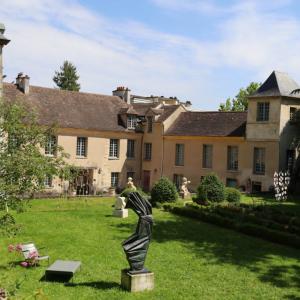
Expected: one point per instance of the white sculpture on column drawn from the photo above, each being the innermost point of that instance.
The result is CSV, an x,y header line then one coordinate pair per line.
x,y
184,192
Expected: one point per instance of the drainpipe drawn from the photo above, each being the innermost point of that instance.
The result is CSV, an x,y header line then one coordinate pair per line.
x,y
162,151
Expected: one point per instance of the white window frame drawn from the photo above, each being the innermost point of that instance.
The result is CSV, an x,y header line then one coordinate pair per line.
x,y
131,121
114,148
48,182
81,146
50,146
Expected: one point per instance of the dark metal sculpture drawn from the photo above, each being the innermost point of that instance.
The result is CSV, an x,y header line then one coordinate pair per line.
x,y
136,246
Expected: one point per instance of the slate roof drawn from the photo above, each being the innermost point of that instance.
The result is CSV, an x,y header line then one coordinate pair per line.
x,y
70,109
278,84
219,124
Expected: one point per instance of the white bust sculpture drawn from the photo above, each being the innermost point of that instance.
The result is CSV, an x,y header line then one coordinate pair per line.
x,y
120,203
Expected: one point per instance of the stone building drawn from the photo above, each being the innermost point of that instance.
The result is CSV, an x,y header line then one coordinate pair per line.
x,y
111,138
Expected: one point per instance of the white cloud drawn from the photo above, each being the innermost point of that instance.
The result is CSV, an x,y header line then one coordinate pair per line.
x,y
108,53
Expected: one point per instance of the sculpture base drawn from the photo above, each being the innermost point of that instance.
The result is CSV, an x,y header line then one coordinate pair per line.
x,y
120,213
137,282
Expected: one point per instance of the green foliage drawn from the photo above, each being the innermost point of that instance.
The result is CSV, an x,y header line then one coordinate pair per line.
x,y
164,191
240,102
8,226
211,188
232,195
222,216
127,191
179,246
23,166
66,78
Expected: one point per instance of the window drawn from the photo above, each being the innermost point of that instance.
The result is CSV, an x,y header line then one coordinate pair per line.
x,y
150,124
130,148
130,174
114,181
207,156
81,146
148,151
263,111
177,179
231,182
293,113
48,181
259,161
232,158
114,148
179,155
131,121
50,146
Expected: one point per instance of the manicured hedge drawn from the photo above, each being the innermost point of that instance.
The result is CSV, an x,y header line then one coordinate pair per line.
x,y
248,224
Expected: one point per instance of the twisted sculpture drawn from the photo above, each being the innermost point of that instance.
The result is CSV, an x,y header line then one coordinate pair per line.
x,y
136,246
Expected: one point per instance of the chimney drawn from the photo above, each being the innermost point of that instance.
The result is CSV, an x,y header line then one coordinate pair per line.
x,y
3,42
123,93
22,81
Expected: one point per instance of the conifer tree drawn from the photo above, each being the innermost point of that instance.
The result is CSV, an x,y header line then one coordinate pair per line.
x,y
66,78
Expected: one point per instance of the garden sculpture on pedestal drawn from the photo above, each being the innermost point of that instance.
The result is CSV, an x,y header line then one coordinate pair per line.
x,y
184,192
130,184
136,246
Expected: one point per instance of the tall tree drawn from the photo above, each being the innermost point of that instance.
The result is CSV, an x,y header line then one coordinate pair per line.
x,y
23,166
66,78
240,102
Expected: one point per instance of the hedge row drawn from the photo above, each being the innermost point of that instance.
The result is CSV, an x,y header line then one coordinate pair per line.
x,y
245,226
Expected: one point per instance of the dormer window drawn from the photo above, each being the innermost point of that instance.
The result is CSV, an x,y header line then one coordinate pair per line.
x,y
263,109
131,121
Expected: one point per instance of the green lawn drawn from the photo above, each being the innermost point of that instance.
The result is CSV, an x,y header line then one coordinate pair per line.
x,y
190,259
291,205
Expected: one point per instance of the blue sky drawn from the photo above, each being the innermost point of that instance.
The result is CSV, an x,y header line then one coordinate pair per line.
x,y
197,50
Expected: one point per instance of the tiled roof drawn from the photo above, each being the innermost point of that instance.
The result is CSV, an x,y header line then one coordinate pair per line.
x,y
278,84
70,109
209,124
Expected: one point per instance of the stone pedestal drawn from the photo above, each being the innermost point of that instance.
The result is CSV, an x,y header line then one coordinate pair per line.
x,y
120,213
137,282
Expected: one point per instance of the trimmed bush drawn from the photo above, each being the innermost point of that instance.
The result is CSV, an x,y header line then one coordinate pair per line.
x,y
127,191
211,189
232,195
163,191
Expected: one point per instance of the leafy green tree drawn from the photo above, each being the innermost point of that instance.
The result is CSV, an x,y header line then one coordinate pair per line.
x,y
23,165
66,78
240,102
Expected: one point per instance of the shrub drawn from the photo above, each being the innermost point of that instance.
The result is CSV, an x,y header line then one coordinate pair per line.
x,y
211,188
127,191
232,195
163,191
